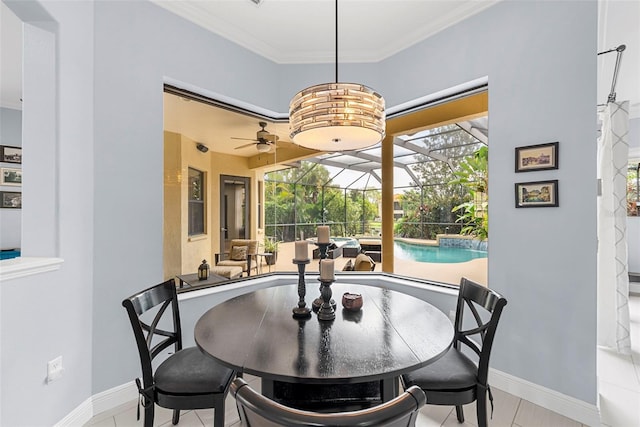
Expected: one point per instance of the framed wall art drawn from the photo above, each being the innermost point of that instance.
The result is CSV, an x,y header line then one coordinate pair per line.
x,y
537,157
10,199
538,194
9,154
10,176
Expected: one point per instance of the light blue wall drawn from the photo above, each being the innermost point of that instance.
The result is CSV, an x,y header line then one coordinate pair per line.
x,y
137,45
10,219
113,57
50,314
10,127
634,133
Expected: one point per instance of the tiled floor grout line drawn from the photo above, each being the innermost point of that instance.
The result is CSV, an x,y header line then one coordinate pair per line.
x,y
515,415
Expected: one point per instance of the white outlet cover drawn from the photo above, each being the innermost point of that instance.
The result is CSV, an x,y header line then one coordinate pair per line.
x,y
54,369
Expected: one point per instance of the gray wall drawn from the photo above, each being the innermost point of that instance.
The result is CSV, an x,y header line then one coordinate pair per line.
x,y
137,45
112,59
536,95
47,315
10,219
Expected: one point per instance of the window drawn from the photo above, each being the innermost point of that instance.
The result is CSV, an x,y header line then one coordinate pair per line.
x,y
633,188
196,202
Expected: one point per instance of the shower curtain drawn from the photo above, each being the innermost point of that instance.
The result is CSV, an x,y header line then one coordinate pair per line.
x,y
613,278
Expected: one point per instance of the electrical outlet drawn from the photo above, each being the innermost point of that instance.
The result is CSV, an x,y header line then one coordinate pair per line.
x,y
54,369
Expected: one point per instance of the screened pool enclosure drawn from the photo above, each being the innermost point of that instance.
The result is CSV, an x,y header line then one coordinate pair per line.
x,y
343,189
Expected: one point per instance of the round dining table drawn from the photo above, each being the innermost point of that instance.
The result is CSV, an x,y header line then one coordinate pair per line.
x,y
393,333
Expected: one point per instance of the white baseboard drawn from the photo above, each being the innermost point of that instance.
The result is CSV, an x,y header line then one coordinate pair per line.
x,y
78,416
534,393
114,397
99,403
568,406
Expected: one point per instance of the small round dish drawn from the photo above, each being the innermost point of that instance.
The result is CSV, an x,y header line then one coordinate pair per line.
x,y
352,302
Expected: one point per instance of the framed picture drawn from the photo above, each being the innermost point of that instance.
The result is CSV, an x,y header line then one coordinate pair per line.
x,y
537,157
10,154
538,194
10,199
10,176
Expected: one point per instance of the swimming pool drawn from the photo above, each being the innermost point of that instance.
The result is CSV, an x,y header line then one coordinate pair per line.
x,y
437,254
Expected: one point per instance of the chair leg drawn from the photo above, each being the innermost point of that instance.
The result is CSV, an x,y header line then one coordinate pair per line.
x,y
148,414
176,416
218,415
460,413
481,409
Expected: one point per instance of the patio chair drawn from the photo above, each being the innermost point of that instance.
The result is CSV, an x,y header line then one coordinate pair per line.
x,y
256,410
364,262
242,253
456,379
187,379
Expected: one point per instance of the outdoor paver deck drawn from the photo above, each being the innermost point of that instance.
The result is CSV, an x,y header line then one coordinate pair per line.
x,y
475,270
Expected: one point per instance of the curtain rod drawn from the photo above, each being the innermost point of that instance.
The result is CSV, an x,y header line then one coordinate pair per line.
x,y
618,50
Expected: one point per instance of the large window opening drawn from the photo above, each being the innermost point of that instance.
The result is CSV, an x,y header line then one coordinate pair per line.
x,y
295,192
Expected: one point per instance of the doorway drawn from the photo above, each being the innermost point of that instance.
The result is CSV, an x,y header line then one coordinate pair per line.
x,y
234,209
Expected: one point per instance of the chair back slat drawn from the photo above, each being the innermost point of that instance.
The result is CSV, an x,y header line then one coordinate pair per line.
x,y
163,295
474,296
256,410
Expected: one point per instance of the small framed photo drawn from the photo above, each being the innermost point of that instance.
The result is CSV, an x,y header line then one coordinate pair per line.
x,y
10,199
538,194
10,154
537,157
10,176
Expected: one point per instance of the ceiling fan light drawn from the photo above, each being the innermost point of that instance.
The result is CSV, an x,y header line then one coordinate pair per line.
x,y
263,147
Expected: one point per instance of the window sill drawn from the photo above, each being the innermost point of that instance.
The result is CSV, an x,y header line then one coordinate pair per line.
x,y
198,237
16,268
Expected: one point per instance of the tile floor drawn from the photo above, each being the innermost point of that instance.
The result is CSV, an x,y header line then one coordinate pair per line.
x,y
619,385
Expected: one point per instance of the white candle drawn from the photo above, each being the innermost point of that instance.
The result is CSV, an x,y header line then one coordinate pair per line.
x,y
302,250
323,234
327,270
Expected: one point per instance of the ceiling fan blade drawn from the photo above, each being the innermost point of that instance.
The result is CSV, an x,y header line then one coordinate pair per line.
x,y
245,139
245,145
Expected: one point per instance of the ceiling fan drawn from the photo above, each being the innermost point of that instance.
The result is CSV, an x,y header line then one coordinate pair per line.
x,y
263,141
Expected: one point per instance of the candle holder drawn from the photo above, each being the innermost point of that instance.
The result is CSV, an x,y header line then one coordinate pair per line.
x,y
301,311
327,310
323,249
323,253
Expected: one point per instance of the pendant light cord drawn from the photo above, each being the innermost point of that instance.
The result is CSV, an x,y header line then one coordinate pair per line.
x,y
336,41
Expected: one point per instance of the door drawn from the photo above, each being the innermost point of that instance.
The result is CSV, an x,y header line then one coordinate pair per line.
x,y
234,209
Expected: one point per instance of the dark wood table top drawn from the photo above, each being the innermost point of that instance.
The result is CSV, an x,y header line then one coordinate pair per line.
x,y
392,334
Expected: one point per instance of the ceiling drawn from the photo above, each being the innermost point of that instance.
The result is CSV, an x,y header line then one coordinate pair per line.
x,y
274,29
295,31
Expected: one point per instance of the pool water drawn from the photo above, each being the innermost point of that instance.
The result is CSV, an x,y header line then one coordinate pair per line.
x,y
435,254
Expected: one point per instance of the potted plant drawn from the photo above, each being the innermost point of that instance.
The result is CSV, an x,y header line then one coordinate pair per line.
x,y
271,247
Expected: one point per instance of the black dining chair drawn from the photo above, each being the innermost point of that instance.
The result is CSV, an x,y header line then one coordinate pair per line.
x,y
256,410
460,377
187,379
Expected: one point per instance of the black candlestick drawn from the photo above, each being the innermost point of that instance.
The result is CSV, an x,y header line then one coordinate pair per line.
x,y
327,307
323,249
301,311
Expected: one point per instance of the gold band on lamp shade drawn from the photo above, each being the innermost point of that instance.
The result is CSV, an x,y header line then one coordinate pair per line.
x,y
337,117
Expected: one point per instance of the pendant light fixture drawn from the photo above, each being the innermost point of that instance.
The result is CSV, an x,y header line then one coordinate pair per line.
x,y
337,116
